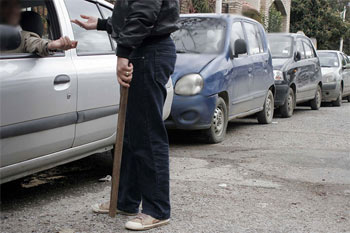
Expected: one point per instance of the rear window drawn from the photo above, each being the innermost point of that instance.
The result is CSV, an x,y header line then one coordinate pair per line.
x,y
200,35
281,46
329,59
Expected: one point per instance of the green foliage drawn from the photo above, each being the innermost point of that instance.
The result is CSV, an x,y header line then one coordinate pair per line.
x,y
252,13
275,20
203,6
321,20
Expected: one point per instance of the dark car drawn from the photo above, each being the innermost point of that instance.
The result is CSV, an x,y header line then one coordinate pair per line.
x,y
223,71
335,68
297,72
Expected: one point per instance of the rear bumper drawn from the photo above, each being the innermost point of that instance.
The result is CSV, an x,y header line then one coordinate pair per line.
x,y
191,112
330,91
281,94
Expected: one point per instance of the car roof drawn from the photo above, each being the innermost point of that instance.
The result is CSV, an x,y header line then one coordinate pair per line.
x,y
328,51
223,16
294,35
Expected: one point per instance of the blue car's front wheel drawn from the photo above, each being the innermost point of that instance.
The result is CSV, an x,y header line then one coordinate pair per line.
x,y
217,131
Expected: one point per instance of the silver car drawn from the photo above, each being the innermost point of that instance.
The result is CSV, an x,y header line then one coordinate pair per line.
x,y
61,108
335,68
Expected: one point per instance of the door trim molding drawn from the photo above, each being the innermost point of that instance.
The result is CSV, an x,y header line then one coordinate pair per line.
x,y
52,122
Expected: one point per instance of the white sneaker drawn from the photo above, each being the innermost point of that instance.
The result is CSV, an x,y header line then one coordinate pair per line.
x,y
144,222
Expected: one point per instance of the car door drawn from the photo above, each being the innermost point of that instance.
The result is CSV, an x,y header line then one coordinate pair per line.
x,y
301,72
240,77
346,73
98,88
313,69
258,52
38,98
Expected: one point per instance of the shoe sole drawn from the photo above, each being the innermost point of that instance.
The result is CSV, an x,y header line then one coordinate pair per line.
x,y
159,224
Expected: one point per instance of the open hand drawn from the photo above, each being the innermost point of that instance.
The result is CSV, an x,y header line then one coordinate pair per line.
x,y
90,24
124,71
64,43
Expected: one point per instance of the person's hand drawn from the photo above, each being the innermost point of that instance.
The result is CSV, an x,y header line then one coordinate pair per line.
x,y
90,24
124,71
64,43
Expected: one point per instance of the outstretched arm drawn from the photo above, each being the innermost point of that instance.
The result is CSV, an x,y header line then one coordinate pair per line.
x,y
34,44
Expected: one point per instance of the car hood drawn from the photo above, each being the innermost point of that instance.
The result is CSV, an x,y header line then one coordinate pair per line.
x,y
278,63
191,64
327,70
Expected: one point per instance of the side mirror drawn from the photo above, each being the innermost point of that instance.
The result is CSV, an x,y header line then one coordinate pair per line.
x,y
10,38
240,47
297,56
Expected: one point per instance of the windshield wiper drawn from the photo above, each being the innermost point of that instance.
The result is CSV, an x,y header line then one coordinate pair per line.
x,y
186,51
181,51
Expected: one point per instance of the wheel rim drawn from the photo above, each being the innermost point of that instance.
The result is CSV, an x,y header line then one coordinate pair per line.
x,y
269,107
218,121
290,103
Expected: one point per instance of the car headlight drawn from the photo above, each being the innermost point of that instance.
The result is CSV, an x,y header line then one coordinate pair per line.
x,y
190,84
330,77
278,75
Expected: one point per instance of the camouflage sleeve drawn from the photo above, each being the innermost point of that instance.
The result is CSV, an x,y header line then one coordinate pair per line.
x,y
34,44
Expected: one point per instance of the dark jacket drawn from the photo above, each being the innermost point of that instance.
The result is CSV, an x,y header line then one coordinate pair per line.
x,y
135,21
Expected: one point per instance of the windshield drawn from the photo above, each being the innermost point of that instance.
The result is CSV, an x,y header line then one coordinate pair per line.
x,y
281,46
200,35
329,59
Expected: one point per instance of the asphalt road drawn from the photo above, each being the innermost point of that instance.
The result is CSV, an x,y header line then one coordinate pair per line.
x,y
290,176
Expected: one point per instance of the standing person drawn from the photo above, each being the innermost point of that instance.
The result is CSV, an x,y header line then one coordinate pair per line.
x,y
146,59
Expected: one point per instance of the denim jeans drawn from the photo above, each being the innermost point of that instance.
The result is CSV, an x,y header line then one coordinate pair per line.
x,y
145,163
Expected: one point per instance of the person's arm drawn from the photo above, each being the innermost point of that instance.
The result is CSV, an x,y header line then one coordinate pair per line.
x,y
94,23
142,15
34,44
105,25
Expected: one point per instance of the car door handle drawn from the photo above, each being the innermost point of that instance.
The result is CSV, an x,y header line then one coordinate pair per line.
x,y
61,79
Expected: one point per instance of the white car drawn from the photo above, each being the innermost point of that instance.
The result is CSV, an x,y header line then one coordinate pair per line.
x,y
64,107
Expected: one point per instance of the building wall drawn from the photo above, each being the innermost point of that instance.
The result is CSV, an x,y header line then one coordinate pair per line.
x,y
263,6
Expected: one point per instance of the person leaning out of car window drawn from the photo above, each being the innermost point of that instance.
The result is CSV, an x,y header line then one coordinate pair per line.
x,y
10,14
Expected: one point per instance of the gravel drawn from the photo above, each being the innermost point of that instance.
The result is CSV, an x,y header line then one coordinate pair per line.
x,y
290,176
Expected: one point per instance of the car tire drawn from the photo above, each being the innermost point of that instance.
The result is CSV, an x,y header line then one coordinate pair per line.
x,y
288,107
266,115
217,131
339,101
315,104
349,98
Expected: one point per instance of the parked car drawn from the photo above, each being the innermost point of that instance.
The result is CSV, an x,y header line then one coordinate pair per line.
x,y
64,107
335,67
223,71
297,72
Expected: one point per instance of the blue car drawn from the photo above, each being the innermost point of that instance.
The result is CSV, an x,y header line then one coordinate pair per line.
x,y
223,71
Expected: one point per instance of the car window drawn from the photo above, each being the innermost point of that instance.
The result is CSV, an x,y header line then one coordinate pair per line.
x,y
237,32
309,51
328,59
281,46
300,49
260,40
343,60
200,35
50,26
90,42
253,38
346,59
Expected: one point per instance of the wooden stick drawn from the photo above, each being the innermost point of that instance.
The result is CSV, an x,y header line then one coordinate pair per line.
x,y
118,150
